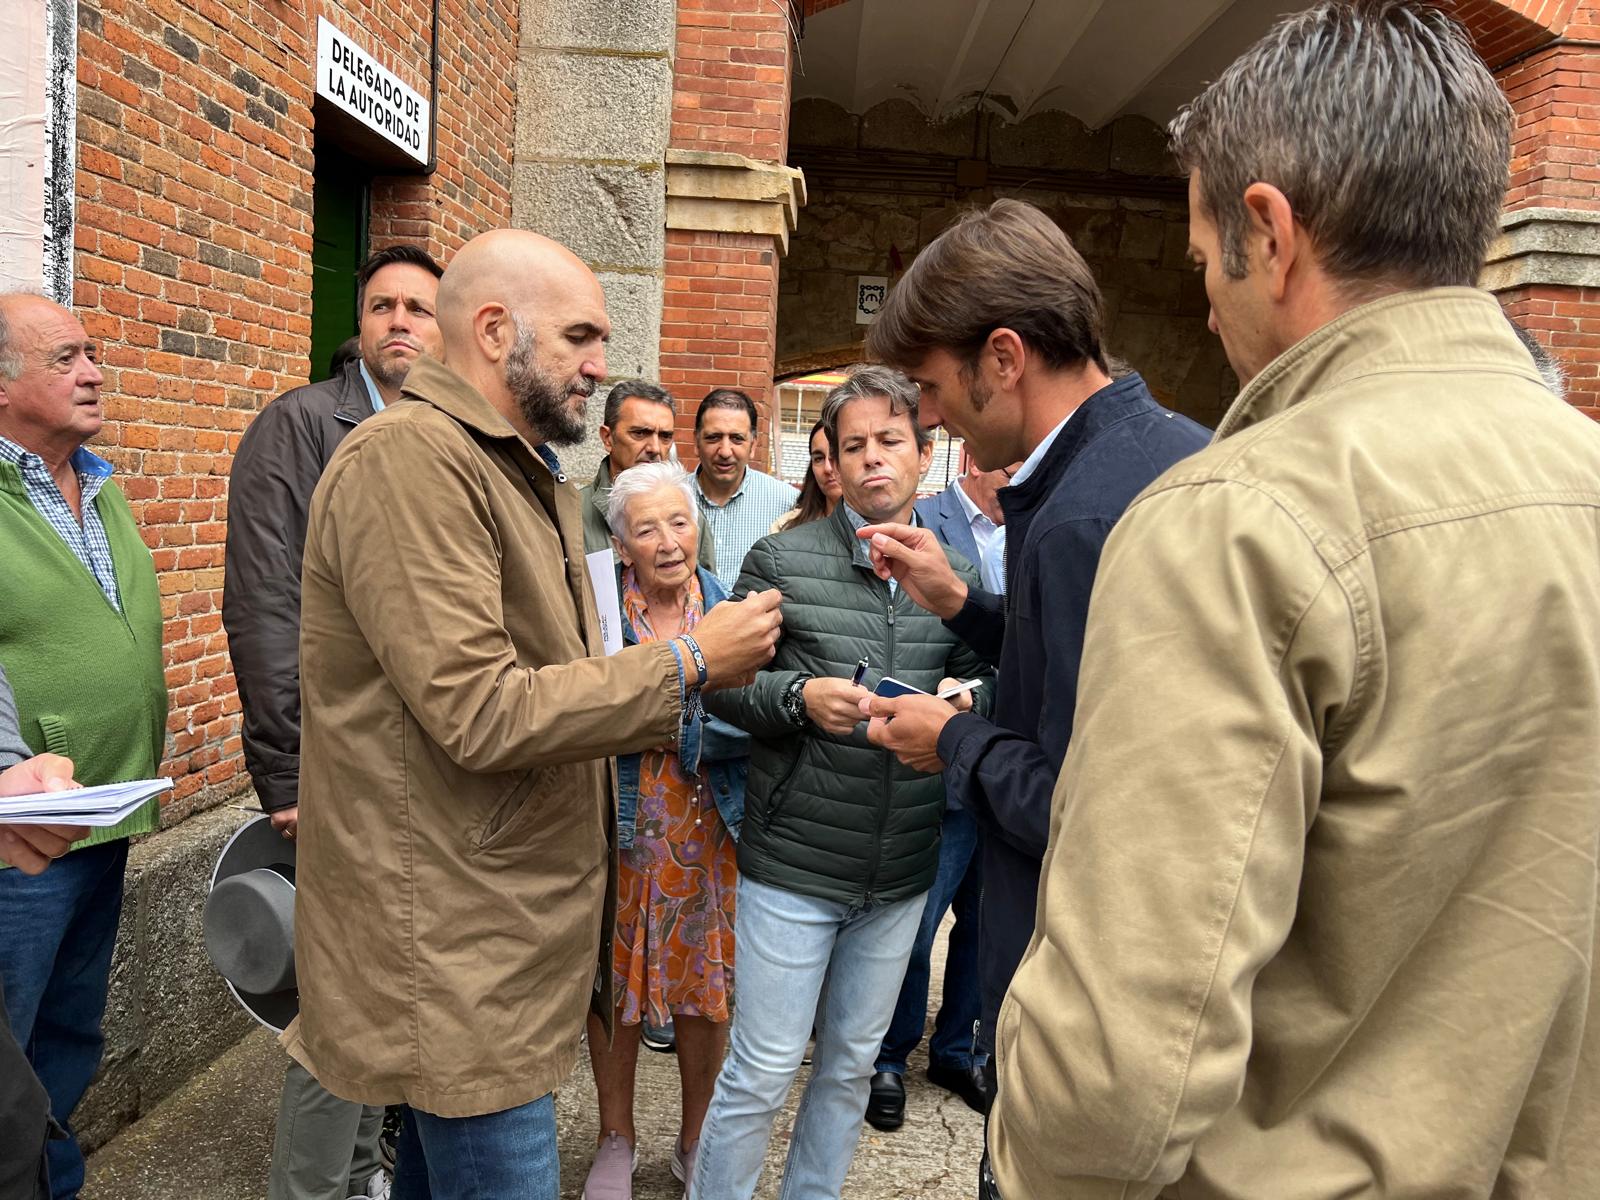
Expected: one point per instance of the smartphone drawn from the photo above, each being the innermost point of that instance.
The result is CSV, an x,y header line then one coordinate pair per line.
x,y
889,687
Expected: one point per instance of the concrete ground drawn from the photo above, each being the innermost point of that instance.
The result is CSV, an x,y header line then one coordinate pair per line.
x,y
212,1139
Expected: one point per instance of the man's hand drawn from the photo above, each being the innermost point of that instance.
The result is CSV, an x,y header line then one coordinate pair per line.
x,y
287,821
914,558
909,726
834,704
738,638
31,848
961,701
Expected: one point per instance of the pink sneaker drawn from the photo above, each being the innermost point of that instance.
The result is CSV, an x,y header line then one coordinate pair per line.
x,y
611,1176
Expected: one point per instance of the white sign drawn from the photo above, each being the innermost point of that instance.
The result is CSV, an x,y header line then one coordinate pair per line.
x,y
350,78
603,575
871,291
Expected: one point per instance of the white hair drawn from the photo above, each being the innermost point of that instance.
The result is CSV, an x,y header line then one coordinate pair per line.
x,y
641,480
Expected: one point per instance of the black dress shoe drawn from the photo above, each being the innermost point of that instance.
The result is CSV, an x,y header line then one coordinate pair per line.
x,y
886,1103
967,1082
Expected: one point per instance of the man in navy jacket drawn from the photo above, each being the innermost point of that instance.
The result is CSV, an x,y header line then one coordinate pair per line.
x,y
1000,322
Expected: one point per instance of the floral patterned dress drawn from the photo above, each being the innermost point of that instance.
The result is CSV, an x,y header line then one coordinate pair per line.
x,y
673,951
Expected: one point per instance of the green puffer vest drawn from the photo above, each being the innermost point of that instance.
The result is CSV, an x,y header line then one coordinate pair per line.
x,y
836,817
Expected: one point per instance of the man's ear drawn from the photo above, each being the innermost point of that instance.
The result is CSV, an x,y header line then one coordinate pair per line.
x,y
494,331
1009,355
605,437
1274,241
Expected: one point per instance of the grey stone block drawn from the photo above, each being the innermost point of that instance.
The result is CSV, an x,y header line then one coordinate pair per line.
x,y
190,1017
608,215
592,107
900,125
1139,147
1050,141
1142,238
168,1014
816,122
634,305
640,26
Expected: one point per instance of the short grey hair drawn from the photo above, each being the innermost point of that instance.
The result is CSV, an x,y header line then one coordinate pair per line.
x,y
1380,124
11,362
641,480
1548,366
865,381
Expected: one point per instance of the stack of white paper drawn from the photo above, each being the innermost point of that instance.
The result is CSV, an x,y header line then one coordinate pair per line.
x,y
102,806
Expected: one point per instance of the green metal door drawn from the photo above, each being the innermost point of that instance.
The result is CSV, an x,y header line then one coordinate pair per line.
x,y
339,206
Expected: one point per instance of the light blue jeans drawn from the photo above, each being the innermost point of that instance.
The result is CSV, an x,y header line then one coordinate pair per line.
x,y
793,950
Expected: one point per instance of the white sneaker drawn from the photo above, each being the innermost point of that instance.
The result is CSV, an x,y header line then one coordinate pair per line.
x,y
377,1188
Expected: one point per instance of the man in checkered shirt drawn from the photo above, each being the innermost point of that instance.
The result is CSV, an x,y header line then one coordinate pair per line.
x,y
80,639
737,502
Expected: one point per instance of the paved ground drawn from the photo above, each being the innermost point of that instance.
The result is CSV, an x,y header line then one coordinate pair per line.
x,y
213,1139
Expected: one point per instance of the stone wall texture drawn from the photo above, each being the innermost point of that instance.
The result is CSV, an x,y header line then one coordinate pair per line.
x,y
870,218
193,265
589,162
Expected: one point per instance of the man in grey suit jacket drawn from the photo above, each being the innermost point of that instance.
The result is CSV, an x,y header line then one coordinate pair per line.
x,y
966,517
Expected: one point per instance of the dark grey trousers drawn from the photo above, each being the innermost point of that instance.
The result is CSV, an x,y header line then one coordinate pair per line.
x,y
326,1148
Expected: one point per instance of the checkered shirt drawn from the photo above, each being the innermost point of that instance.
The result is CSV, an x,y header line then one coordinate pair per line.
x,y
744,519
87,540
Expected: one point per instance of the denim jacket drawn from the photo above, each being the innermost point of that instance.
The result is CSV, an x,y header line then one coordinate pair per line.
x,y
703,740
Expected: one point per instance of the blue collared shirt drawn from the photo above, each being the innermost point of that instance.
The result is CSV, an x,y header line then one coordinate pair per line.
x,y
372,388
1031,463
86,539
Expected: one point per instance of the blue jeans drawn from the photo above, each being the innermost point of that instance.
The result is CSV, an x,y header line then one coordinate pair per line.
x,y
958,884
59,929
508,1155
792,951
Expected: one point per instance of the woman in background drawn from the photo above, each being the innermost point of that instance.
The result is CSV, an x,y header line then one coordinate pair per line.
x,y
821,490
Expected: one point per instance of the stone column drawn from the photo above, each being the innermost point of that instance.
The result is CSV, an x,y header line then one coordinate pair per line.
x,y
594,101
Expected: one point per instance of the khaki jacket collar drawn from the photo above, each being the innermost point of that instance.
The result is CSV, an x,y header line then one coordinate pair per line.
x,y
1456,326
432,381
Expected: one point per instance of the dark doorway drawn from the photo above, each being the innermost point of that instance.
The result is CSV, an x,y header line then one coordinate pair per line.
x,y
340,202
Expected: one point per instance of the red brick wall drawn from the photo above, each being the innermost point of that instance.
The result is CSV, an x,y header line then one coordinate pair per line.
x,y
730,94
1503,29
193,266
1556,164
1567,321
719,323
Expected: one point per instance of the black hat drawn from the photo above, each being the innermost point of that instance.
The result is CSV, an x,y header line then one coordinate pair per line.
x,y
249,922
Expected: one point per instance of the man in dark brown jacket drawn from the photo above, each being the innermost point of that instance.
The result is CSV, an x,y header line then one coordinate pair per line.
x,y
457,864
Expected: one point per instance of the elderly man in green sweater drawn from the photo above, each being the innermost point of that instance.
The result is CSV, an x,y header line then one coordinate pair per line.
x,y
80,638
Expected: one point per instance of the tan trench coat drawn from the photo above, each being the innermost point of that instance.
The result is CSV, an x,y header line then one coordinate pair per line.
x,y
1318,911
457,809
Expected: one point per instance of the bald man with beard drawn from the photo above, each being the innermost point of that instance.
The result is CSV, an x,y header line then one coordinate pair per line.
x,y
457,857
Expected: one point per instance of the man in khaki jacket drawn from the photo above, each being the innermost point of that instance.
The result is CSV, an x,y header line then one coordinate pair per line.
x,y
1317,917
456,869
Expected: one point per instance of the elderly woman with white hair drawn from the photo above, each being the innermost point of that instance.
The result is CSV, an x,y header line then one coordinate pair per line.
x,y
678,815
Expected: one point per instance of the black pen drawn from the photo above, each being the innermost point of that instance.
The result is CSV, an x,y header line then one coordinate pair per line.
x,y
861,673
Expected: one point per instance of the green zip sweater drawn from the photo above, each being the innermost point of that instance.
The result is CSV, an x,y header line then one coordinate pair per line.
x,y
89,680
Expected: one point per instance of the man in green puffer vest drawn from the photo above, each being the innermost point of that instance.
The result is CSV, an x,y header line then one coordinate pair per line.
x,y
80,638
840,841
